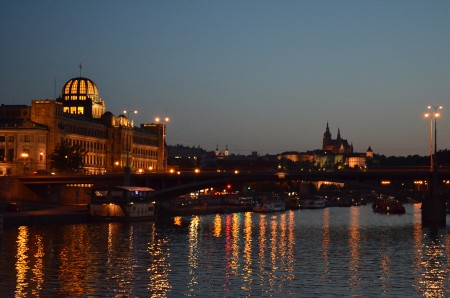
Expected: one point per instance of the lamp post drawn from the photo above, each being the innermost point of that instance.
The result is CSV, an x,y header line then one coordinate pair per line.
x,y
435,115
163,122
127,178
24,155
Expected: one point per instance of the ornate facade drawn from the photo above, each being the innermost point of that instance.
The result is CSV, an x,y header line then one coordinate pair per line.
x,y
29,134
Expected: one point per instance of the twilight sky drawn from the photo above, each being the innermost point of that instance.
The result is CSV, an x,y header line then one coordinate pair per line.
x,y
255,75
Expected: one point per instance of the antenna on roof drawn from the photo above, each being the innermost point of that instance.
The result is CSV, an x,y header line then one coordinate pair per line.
x,y
81,67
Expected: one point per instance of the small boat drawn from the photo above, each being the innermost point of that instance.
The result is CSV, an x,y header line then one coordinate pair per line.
x,y
315,202
388,205
293,203
270,204
122,203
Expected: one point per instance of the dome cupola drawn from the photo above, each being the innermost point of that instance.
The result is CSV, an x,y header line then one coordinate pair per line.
x,y
80,89
80,97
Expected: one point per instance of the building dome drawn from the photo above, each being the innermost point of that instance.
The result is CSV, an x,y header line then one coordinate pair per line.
x,y
80,97
80,89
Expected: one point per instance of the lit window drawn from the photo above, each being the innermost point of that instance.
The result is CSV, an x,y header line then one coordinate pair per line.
x,y
74,88
90,88
83,87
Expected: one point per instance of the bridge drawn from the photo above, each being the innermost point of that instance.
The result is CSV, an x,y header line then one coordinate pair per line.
x,y
166,182
169,185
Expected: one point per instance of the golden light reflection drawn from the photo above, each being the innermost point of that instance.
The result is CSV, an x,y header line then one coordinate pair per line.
x,y
22,261
73,274
385,265
354,244
273,240
262,239
177,221
193,252
159,285
227,252
290,259
431,267
235,243
38,274
282,244
247,266
217,226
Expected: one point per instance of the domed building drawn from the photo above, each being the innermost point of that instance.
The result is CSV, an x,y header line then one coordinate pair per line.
x,y
80,97
78,117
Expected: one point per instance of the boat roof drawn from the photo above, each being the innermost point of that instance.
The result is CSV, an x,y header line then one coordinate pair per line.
x,y
127,188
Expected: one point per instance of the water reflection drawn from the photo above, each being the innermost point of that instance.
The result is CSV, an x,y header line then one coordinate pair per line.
x,y
326,244
247,267
217,226
159,268
22,261
38,273
193,254
334,251
354,245
433,266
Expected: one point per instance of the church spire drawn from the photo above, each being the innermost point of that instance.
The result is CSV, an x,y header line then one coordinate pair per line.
x,y
339,134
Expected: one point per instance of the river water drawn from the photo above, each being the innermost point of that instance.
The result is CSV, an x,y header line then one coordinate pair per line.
x,y
308,253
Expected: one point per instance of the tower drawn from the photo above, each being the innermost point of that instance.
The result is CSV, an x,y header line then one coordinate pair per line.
x,y
326,138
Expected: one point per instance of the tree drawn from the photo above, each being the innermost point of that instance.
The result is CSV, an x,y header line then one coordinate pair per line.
x,y
67,158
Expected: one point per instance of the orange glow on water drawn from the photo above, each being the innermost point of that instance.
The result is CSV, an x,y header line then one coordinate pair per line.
x,y
22,261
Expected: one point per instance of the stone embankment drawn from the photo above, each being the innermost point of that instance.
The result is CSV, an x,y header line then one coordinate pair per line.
x,y
48,215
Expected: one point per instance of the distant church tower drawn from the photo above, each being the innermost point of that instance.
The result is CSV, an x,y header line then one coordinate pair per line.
x,y
326,138
338,145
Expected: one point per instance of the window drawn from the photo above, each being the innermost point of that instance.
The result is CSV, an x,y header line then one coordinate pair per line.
x,y
82,87
26,138
10,155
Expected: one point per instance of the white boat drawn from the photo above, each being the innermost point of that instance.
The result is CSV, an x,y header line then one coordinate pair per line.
x,y
315,202
270,204
122,203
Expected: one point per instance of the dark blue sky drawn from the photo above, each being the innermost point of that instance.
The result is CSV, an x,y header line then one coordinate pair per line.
x,y
254,75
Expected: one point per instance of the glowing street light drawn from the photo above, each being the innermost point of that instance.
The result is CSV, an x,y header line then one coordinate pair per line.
x,y
432,116
129,112
163,122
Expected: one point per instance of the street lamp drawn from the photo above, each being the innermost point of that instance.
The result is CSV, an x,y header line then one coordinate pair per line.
x,y
163,123
127,176
130,112
435,115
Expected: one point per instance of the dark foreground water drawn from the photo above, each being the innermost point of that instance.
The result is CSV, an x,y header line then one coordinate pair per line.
x,y
307,253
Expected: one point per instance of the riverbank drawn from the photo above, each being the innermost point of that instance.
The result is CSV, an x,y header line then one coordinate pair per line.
x,y
49,215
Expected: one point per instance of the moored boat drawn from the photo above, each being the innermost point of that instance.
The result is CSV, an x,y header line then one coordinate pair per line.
x,y
388,205
270,204
315,202
122,203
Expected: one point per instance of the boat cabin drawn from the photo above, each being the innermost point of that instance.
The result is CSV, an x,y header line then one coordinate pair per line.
x,y
122,202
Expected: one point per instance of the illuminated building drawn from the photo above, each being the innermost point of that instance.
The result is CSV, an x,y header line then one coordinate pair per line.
x,y
30,134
